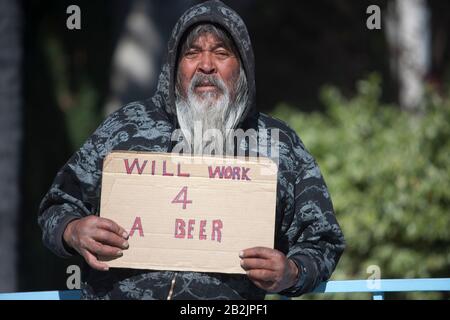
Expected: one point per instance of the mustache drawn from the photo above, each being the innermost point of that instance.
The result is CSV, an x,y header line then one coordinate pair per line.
x,y
207,80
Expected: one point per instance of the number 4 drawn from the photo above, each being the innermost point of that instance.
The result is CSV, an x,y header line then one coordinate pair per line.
x,y
182,198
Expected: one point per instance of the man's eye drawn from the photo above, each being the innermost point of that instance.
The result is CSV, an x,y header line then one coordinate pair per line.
x,y
191,54
222,54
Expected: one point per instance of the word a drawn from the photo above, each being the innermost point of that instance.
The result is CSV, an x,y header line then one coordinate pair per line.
x,y
74,20
74,280
374,21
373,282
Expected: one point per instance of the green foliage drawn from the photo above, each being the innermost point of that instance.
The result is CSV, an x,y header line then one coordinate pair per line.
x,y
84,118
388,174
80,105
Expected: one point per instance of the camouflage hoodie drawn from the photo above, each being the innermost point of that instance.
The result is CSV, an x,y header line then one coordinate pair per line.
x,y
306,228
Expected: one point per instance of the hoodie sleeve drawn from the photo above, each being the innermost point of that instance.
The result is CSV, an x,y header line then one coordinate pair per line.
x,y
315,238
71,196
75,191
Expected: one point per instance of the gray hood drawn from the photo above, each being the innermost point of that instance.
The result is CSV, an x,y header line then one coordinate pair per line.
x,y
208,12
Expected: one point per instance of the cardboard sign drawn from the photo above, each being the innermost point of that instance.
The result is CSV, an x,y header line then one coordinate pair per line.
x,y
189,213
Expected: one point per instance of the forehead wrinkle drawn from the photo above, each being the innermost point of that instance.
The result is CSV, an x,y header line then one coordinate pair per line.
x,y
216,43
208,30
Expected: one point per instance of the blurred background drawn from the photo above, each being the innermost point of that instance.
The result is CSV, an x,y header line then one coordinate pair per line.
x,y
371,105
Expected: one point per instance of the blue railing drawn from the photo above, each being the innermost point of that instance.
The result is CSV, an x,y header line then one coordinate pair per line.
x,y
376,287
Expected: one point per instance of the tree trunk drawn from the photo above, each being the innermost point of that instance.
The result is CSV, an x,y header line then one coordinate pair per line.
x,y
140,49
409,37
10,139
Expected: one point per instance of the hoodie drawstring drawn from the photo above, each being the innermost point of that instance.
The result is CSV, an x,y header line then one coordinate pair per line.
x,y
172,286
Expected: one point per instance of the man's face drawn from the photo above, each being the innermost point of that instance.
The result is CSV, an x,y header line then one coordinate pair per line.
x,y
206,60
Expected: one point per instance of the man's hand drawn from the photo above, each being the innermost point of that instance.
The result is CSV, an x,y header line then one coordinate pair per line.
x,y
269,269
94,237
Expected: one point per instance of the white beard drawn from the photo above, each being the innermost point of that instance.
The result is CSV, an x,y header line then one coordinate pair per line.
x,y
207,121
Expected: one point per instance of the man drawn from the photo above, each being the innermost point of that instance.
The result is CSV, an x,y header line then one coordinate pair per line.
x,y
208,79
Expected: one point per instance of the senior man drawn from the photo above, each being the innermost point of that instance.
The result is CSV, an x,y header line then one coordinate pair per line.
x,y
208,80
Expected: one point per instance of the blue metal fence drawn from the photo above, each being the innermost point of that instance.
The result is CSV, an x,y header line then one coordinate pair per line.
x,y
376,287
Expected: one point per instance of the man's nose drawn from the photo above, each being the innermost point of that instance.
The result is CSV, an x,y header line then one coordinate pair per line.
x,y
206,64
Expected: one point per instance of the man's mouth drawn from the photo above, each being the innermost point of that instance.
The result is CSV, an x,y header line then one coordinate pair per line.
x,y
205,87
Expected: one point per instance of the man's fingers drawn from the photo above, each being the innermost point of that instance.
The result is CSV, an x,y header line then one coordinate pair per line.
x,y
113,227
110,238
261,275
265,285
257,263
103,250
93,262
258,252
